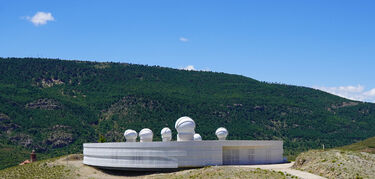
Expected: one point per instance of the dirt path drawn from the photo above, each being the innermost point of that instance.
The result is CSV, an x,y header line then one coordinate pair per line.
x,y
286,168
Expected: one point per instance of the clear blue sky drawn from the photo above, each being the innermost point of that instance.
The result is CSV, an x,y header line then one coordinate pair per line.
x,y
326,44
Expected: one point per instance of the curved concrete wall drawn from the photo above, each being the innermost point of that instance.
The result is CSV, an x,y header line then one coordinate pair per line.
x,y
136,155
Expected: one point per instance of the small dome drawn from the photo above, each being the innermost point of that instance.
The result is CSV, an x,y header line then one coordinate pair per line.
x,y
221,133
146,135
166,134
197,137
130,135
185,125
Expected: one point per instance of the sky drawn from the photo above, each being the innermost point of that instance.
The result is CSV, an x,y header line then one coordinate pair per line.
x,y
323,44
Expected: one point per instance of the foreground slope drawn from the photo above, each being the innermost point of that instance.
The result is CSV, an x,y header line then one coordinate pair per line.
x,y
351,161
54,106
337,163
71,167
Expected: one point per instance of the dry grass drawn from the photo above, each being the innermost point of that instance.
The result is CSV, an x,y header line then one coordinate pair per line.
x,y
337,163
45,169
217,172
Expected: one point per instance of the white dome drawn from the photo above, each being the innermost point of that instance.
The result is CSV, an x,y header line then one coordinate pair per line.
x,y
197,137
185,125
221,133
146,135
130,135
166,134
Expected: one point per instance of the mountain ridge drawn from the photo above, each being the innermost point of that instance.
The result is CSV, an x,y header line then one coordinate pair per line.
x,y
54,106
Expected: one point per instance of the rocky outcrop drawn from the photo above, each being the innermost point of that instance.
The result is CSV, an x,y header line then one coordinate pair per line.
x,y
344,104
4,117
334,107
59,136
8,126
123,106
46,83
22,139
59,127
44,103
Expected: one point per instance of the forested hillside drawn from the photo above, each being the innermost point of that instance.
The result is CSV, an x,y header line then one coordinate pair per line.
x,y
53,106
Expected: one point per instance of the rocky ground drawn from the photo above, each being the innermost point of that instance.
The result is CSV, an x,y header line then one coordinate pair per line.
x,y
44,103
337,163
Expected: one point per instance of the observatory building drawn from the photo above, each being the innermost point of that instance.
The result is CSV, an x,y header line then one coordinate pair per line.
x,y
188,151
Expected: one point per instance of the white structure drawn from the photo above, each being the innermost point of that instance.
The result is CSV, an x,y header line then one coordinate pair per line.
x,y
185,127
170,155
146,135
221,133
166,134
188,151
130,135
197,137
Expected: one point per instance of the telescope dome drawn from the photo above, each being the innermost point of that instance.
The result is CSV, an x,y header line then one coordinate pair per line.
x,y
221,133
185,125
166,134
130,135
197,137
146,135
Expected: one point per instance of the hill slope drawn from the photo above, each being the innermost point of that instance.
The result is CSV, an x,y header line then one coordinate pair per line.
x,y
337,163
367,145
54,106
